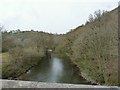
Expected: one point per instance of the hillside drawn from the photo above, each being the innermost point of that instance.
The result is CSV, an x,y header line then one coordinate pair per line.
x,y
92,47
22,50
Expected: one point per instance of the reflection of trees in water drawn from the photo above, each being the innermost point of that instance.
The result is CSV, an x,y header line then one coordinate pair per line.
x,y
54,70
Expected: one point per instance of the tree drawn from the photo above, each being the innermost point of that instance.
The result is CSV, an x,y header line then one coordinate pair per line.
x,y
7,41
97,14
91,18
1,38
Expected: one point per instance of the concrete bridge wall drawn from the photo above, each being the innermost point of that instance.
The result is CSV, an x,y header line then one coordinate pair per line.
x,y
31,84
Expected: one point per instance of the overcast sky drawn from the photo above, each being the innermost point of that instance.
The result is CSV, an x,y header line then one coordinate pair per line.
x,y
55,16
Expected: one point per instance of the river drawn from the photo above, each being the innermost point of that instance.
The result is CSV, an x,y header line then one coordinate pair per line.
x,y
54,70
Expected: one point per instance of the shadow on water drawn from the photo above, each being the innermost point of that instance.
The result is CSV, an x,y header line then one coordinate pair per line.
x,y
54,70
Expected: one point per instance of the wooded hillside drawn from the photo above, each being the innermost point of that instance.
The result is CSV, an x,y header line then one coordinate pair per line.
x,y
92,47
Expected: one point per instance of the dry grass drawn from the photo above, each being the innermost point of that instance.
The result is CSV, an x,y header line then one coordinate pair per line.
x,y
5,57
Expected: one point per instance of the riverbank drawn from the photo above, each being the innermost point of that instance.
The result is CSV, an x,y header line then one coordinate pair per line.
x,y
78,71
55,70
21,65
84,75
27,70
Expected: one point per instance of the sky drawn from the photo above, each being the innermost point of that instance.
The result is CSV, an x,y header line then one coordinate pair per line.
x,y
53,16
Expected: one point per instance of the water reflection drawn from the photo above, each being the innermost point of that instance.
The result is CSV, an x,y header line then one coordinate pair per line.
x,y
54,70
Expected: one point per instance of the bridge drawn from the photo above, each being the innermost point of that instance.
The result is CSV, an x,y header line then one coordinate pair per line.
x,y
33,84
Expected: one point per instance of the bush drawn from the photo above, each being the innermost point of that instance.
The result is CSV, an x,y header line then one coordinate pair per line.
x,y
20,60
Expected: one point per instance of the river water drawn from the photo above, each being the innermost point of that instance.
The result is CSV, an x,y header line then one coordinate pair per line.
x,y
54,70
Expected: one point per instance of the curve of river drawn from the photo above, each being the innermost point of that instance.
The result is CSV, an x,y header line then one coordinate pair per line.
x,y
54,70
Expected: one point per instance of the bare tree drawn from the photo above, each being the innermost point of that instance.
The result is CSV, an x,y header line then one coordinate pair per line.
x,y
1,38
91,18
97,14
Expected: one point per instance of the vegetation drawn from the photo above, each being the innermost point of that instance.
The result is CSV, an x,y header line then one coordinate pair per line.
x,y
92,47
22,50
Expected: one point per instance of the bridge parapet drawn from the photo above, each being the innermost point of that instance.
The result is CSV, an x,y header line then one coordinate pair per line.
x,y
32,84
